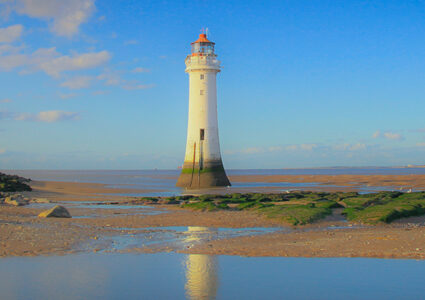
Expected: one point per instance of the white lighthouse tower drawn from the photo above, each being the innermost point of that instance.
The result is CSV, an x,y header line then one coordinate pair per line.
x,y
202,166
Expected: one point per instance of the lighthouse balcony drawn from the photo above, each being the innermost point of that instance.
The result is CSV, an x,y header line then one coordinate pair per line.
x,y
202,62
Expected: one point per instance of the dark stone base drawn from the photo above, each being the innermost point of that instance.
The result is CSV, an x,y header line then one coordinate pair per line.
x,y
212,174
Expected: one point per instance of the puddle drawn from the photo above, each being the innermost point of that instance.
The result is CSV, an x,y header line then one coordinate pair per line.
x,y
125,210
176,237
180,237
41,205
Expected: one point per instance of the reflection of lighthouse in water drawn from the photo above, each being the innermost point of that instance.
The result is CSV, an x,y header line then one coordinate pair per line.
x,y
201,270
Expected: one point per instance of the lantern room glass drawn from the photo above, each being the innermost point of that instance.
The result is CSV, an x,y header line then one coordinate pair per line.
x,y
203,48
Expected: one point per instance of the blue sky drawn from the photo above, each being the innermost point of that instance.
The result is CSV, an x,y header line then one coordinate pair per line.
x,y
91,84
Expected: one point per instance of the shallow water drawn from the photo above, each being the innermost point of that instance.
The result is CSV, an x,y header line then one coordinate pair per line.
x,y
94,207
162,182
169,238
181,276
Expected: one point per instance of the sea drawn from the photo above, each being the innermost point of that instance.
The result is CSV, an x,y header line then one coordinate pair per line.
x,y
162,182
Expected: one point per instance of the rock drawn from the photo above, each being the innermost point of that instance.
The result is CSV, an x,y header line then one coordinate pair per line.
x,y
40,200
14,203
15,200
55,212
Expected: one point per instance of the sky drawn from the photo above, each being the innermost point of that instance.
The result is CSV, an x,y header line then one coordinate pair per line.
x,y
88,84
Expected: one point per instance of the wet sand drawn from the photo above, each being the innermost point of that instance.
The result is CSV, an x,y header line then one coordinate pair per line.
x,y
379,242
23,234
343,182
59,191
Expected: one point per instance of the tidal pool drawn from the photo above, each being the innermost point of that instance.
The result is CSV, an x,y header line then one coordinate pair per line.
x,y
182,276
172,237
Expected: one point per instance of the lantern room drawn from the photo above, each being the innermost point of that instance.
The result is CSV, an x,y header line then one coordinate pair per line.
x,y
202,46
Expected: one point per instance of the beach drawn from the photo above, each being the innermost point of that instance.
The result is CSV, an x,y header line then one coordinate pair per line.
x,y
97,225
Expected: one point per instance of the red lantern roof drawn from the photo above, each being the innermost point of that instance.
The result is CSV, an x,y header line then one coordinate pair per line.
x,y
202,39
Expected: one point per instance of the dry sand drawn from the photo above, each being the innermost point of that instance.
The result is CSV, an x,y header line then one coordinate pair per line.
x,y
22,233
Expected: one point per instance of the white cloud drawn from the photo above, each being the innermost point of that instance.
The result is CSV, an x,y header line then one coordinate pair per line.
x,y
13,61
350,147
76,62
393,136
388,135
9,48
341,147
275,148
140,70
48,116
65,17
291,147
67,96
56,115
11,33
300,147
5,101
52,62
78,82
308,147
357,147
377,134
252,150
110,77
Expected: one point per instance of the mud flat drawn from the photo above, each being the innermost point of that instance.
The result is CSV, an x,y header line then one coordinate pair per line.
x,y
342,182
102,220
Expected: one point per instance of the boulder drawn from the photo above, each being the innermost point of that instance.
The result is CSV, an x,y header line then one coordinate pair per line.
x,y
55,212
15,200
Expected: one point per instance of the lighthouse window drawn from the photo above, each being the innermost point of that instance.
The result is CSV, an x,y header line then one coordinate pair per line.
x,y
202,134
202,76
202,92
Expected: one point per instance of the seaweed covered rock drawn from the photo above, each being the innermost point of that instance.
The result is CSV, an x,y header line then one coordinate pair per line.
x,y
13,183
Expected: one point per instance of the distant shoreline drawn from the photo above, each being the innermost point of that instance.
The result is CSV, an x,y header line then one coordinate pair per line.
x,y
229,169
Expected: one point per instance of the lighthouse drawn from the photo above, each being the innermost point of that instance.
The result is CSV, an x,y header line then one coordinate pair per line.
x,y
202,167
